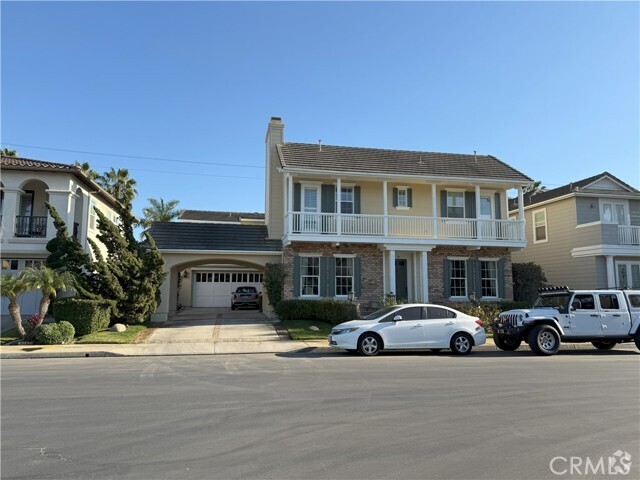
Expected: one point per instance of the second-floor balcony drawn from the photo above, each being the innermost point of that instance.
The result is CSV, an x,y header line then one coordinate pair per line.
x,y
628,235
31,227
402,226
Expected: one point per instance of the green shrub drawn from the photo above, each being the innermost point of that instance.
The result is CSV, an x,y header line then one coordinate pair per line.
x,y
331,311
274,282
87,316
55,333
527,279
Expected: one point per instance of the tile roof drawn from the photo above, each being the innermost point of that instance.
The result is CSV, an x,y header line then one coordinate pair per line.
x,y
214,216
533,198
213,236
396,162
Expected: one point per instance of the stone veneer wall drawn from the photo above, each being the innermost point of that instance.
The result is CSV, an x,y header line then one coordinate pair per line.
x,y
370,262
436,259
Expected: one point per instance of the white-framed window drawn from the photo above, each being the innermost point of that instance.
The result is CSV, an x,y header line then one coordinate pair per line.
x,y
613,211
36,263
403,197
458,278
92,215
540,233
628,274
309,276
455,204
489,278
344,276
346,200
310,198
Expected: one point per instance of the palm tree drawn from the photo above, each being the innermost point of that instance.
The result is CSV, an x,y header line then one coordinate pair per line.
x,y
119,184
160,211
8,153
87,170
12,287
49,282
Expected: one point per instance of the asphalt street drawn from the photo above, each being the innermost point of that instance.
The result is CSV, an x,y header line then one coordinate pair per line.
x,y
318,416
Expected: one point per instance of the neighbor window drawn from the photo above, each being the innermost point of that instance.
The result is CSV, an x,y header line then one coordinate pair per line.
x,y
403,197
489,278
458,278
9,264
310,276
92,215
344,276
540,226
455,204
346,200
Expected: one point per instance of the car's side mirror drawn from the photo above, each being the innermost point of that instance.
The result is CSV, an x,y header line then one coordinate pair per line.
x,y
397,318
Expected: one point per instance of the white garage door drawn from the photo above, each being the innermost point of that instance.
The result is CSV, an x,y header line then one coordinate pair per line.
x,y
213,289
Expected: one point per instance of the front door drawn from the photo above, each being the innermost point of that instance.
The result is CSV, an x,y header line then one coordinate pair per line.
x,y
405,333
402,292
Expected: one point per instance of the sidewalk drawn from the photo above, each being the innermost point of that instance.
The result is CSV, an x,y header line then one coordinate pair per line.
x,y
214,348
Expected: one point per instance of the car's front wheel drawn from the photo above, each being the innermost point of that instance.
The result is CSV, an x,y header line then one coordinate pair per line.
x,y
461,344
508,344
369,344
544,340
604,344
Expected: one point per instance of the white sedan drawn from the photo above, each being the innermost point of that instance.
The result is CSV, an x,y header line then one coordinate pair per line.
x,y
412,326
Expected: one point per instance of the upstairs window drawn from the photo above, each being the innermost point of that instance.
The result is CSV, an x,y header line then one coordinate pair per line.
x,y
92,215
346,200
403,197
540,226
455,204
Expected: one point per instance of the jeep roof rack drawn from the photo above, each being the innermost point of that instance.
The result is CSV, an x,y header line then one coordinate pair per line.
x,y
563,288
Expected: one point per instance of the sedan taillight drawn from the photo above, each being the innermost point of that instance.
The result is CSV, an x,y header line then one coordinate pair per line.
x,y
479,322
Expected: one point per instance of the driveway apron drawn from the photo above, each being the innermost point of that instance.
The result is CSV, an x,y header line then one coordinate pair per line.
x,y
213,325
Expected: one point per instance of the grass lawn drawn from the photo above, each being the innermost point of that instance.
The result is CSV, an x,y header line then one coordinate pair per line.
x,y
299,329
9,336
105,336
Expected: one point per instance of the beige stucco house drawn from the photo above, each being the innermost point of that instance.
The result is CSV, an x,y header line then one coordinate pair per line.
x,y
585,234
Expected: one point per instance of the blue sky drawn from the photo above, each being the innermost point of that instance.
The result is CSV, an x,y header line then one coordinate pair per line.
x,y
551,88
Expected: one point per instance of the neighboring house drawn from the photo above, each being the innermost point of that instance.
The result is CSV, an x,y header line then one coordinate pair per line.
x,y
419,225
585,234
26,225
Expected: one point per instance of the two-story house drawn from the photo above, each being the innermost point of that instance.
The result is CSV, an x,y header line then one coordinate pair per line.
x,y
26,225
585,234
421,226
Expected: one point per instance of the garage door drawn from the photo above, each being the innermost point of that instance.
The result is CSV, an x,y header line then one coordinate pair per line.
x,y
213,289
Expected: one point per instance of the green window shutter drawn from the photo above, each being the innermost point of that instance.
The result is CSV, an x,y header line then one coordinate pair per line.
x,y
323,277
331,277
409,198
296,197
443,203
447,278
474,277
501,264
328,199
357,280
469,205
498,206
395,197
356,200
296,276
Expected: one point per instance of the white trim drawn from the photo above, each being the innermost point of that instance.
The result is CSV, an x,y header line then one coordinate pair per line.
x,y
405,187
590,224
458,258
610,178
597,250
345,255
489,259
310,255
628,196
546,226
402,208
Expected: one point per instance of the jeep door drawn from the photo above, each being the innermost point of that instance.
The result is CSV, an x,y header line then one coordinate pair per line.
x,y
614,315
584,315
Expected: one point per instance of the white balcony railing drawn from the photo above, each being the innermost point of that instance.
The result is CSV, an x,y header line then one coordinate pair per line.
x,y
628,235
302,223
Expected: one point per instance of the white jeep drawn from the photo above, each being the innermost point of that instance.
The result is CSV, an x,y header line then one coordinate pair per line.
x,y
602,317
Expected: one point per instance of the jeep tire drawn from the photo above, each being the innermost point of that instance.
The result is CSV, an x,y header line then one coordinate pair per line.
x,y
544,340
506,343
604,344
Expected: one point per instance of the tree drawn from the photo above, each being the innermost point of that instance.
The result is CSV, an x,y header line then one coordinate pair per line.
x,y
49,282
119,184
534,187
87,170
8,153
527,279
12,287
159,211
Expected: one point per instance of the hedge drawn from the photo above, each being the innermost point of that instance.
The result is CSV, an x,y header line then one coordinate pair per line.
x,y
55,333
87,316
331,311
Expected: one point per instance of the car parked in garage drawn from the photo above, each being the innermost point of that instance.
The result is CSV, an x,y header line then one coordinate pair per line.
x,y
245,296
411,326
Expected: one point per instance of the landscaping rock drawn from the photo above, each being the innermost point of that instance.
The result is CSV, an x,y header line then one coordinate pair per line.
x,y
118,327
313,328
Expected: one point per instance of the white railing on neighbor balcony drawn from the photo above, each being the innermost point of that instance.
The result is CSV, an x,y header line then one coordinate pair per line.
x,y
629,235
302,223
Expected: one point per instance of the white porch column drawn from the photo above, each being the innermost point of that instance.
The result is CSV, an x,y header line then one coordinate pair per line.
x,y
385,211
414,269
392,271
521,211
339,206
434,209
478,227
289,204
9,209
611,274
425,277
64,203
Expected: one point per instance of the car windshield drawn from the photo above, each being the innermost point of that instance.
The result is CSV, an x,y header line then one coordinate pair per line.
x,y
380,313
246,290
559,301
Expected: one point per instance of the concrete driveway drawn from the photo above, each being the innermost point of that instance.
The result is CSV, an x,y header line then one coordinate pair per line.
x,y
213,325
